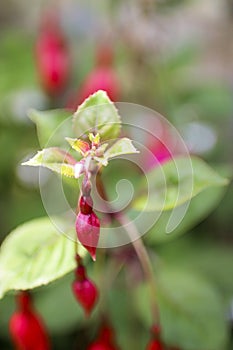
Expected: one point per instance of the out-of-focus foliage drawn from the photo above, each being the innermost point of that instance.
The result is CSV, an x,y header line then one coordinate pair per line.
x,y
172,56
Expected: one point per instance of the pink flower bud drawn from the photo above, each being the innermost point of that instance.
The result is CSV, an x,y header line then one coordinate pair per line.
x,y
102,77
85,290
26,328
99,345
88,230
53,61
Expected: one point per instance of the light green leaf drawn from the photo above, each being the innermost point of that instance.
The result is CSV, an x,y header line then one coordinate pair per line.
x,y
192,314
122,146
176,182
200,207
52,126
97,114
35,254
54,159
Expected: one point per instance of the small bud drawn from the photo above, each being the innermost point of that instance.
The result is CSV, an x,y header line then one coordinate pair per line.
x,y
88,230
105,339
85,290
99,345
26,328
78,170
155,343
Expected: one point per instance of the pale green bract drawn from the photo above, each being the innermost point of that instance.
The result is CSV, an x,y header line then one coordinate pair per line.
x,y
54,159
35,254
120,147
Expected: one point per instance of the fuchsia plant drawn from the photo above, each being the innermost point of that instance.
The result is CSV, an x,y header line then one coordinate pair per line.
x,y
96,140
52,56
26,328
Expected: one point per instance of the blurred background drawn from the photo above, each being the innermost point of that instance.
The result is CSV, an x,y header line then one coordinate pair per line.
x,y
174,56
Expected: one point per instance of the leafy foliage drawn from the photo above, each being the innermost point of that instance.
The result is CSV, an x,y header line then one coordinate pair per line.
x,y
192,312
34,254
52,126
54,159
176,182
97,114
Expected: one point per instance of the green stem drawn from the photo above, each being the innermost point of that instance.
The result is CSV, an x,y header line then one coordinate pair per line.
x,y
138,245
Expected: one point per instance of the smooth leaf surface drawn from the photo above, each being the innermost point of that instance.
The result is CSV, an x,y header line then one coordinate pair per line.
x,y
97,114
34,254
199,208
192,314
176,182
213,259
54,159
122,146
52,126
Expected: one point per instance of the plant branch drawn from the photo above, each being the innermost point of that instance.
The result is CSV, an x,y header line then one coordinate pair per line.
x,y
138,245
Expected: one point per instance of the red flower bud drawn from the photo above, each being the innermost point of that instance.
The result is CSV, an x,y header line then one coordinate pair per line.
x,y
155,345
99,345
85,290
53,61
105,339
85,204
26,328
88,230
102,77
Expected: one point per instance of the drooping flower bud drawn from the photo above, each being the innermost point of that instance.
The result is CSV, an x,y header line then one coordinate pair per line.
x,y
102,77
26,328
85,290
52,56
99,345
105,340
88,230
155,343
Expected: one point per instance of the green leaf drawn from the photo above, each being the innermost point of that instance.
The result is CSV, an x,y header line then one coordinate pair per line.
x,y
192,314
213,259
120,147
35,254
200,207
176,182
54,159
97,114
52,126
